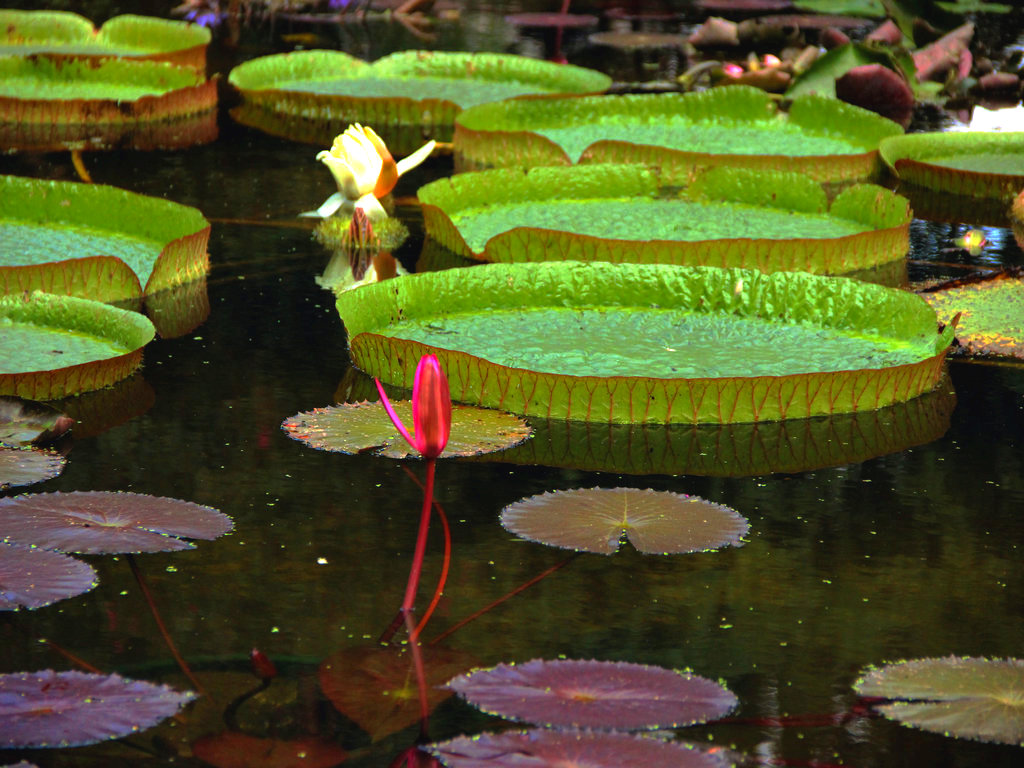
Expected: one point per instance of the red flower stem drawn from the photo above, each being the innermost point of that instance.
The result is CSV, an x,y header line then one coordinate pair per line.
x,y
71,657
500,600
417,664
161,626
445,565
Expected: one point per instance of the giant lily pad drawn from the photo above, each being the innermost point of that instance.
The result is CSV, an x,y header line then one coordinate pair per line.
x,y
98,522
24,33
827,139
49,103
545,748
594,694
971,698
407,96
32,578
971,163
991,314
598,519
52,346
731,217
704,344
95,241
25,466
66,709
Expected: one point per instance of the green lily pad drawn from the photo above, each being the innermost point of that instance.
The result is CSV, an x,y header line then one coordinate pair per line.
x,y
407,96
730,217
25,466
95,241
991,314
52,103
976,164
52,346
680,134
704,344
964,697
26,33
366,428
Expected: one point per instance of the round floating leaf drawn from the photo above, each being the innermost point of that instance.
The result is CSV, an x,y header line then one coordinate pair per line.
x,y
362,427
970,698
542,748
53,346
99,522
376,687
95,241
594,694
730,217
25,466
705,344
23,422
67,709
231,749
597,519
677,133
991,314
32,578
971,163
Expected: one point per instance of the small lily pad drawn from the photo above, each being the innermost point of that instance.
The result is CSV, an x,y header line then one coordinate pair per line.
x,y
67,709
99,522
25,466
32,578
53,346
24,422
970,698
594,694
545,748
365,427
973,163
991,314
598,519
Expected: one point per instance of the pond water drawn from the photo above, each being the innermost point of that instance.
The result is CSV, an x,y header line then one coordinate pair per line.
x,y
909,554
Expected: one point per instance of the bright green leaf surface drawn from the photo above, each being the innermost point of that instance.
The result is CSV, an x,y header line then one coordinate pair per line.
x,y
1005,162
33,348
115,79
465,93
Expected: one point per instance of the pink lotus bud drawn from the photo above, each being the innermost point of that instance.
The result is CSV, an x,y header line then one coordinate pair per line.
x,y
431,409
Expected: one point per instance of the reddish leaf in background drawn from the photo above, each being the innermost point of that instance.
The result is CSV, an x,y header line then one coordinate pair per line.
x,y
67,709
878,88
594,694
32,578
376,687
231,749
542,748
100,522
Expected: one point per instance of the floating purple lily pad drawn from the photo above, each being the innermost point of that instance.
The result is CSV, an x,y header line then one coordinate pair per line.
x,y
541,748
32,578
597,519
594,694
25,466
101,522
67,709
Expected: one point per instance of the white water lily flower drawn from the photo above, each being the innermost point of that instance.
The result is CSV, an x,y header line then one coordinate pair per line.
x,y
364,171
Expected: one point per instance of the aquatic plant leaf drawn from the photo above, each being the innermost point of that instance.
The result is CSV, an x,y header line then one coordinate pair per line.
x,y
598,519
405,96
376,687
53,346
991,315
730,217
973,163
231,749
23,422
96,242
965,697
594,694
25,466
705,344
32,578
545,748
99,522
680,134
67,709
363,427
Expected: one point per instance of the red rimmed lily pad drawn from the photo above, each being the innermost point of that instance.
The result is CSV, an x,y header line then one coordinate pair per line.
x,y
101,522
232,749
32,578
365,427
25,466
598,519
965,697
976,164
95,241
66,709
594,694
544,748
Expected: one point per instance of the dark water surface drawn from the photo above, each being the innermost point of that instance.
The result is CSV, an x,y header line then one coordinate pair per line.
x,y
914,553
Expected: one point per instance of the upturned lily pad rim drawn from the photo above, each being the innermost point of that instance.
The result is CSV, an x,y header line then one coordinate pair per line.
x,y
886,215
184,231
629,399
